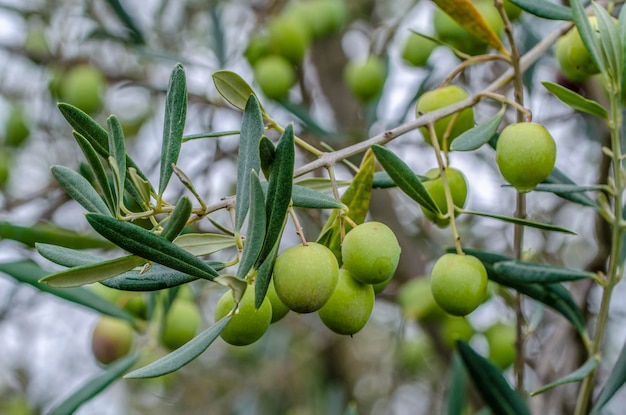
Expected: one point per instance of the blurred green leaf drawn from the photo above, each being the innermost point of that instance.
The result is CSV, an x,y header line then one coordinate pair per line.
x,y
157,277
322,184
174,124
65,256
177,220
545,9
587,34
252,130
256,226
147,245
96,385
458,385
200,244
614,383
575,100
479,135
308,198
210,134
233,88
90,273
96,165
558,177
576,376
304,115
28,272
183,355
491,384
611,48
518,221
79,189
53,234
128,21
567,188
521,272
404,177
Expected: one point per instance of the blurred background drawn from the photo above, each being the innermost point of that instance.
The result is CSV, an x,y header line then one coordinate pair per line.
x,y
115,57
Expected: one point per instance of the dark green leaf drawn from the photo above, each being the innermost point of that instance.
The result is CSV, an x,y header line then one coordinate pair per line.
x,y
479,135
615,381
79,189
98,169
200,244
252,130
558,177
492,386
611,47
622,34
520,272
545,9
404,177
518,221
117,158
53,234
145,244
576,376
177,220
96,385
575,100
264,275
382,180
210,134
65,256
567,188
233,88
267,152
458,385
587,34
324,185
622,253
256,226
158,277
174,124
308,198
88,274
278,191
29,273
134,32
183,355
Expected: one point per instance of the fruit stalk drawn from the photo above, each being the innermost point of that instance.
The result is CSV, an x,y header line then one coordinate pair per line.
x,y
615,268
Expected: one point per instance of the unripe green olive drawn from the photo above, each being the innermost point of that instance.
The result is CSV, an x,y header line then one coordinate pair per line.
x,y
288,38
248,324
279,309
5,168
275,75
562,56
455,328
440,98
501,339
349,307
16,129
525,154
579,56
83,86
321,17
181,324
458,188
365,78
458,283
370,252
417,302
258,47
111,339
512,10
305,276
417,49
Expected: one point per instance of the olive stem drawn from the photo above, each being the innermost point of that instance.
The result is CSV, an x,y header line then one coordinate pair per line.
x,y
296,223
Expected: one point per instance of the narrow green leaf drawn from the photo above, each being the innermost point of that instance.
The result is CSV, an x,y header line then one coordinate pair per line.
x,y
65,256
177,220
157,277
79,189
232,88
545,9
357,198
140,184
117,156
479,135
527,272
587,34
404,177
128,21
28,272
145,244
256,226
610,44
567,188
554,296
98,169
267,152
304,197
576,376
252,130
278,191
183,355
622,253
210,134
96,385
622,34
53,234
324,185
517,221
615,381
174,124
492,386
264,275
575,100
558,177
90,273
200,244
458,386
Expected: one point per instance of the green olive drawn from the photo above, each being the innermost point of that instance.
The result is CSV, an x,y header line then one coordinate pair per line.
x,y
434,186
248,324
111,339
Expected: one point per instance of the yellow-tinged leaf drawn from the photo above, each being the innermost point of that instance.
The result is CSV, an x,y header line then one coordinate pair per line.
x,y
465,14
